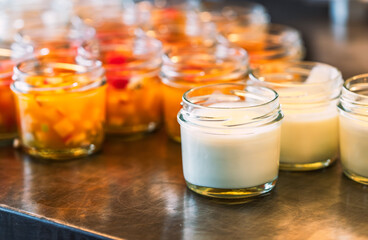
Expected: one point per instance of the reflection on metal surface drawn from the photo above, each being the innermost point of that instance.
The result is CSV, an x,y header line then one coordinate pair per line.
x,y
65,189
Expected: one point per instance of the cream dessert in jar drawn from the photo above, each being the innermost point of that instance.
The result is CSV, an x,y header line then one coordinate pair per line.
x,y
308,96
230,140
353,112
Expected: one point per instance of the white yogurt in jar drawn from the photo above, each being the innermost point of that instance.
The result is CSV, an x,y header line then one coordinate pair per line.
x,y
354,144
230,161
308,95
310,136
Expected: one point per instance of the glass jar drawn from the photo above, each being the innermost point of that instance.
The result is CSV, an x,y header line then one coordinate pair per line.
x,y
188,34
230,139
16,15
108,17
61,108
176,25
8,125
58,42
249,19
132,70
271,43
184,69
353,112
308,93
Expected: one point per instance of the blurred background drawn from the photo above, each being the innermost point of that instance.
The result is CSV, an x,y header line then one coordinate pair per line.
x,y
333,31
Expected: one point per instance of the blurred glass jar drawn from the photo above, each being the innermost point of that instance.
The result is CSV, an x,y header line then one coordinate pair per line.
x,y
308,93
16,15
108,17
60,107
271,43
175,23
132,69
8,125
230,139
184,69
353,109
58,42
249,19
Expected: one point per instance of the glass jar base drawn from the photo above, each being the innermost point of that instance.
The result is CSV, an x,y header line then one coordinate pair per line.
x,y
356,177
176,138
306,166
131,131
7,136
238,193
65,154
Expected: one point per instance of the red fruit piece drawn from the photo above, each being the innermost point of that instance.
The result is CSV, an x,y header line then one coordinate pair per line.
x,y
171,13
118,82
116,59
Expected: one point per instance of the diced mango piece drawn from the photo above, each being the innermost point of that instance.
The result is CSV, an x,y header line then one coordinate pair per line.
x,y
77,139
52,114
64,127
116,121
41,136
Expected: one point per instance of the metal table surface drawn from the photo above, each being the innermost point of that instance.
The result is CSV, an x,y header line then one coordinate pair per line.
x,y
135,189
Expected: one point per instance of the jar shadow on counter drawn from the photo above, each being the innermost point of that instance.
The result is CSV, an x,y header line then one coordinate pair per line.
x,y
132,137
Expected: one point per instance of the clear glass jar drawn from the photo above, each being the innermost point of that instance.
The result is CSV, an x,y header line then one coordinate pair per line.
x,y
8,124
59,42
108,17
230,139
353,116
176,25
271,43
60,107
249,19
184,69
16,15
134,90
308,93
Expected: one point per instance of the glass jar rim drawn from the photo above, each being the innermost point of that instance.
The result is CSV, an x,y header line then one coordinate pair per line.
x,y
347,84
8,57
276,28
94,68
38,31
246,9
187,101
259,106
240,68
351,101
5,56
302,64
313,92
154,47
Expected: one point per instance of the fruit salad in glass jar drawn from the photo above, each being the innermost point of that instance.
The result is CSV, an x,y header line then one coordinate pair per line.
x,y
176,26
8,126
60,107
270,44
59,42
184,69
132,64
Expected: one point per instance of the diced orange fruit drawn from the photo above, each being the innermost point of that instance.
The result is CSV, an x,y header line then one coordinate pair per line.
x,y
64,127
